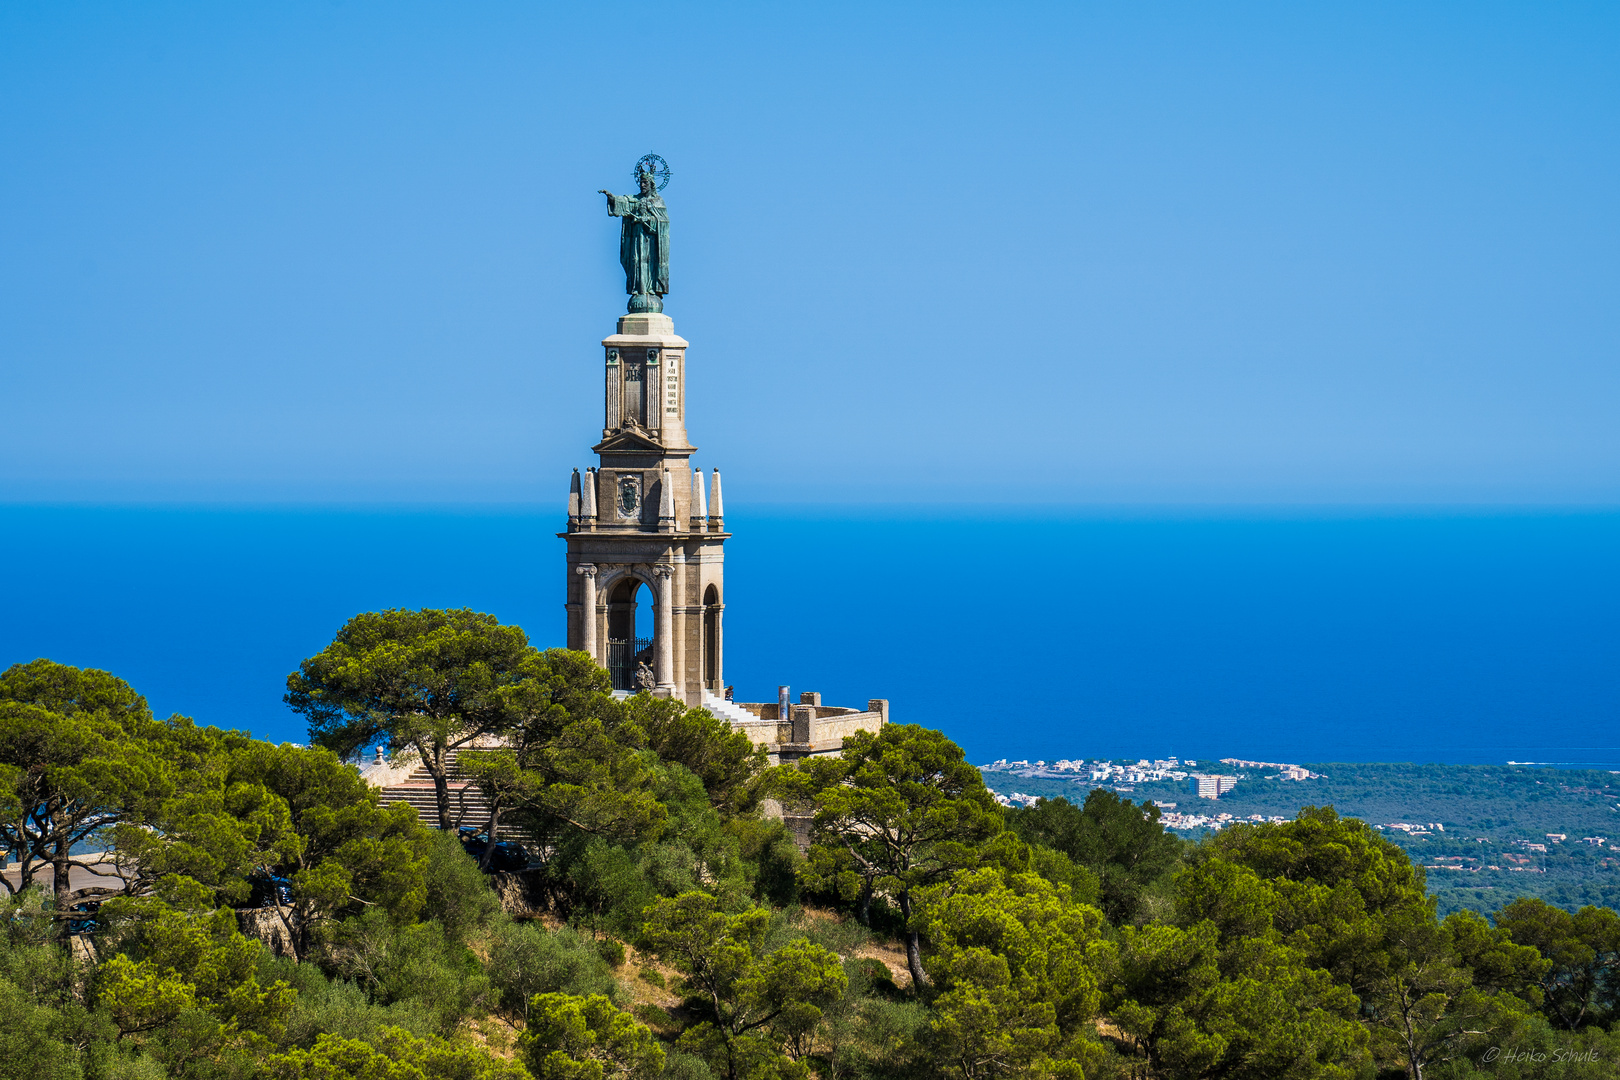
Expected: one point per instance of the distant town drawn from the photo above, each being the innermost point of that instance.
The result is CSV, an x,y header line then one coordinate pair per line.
x,y
1474,828
1122,777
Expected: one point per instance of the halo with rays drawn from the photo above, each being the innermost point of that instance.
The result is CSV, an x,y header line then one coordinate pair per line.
x,y
652,163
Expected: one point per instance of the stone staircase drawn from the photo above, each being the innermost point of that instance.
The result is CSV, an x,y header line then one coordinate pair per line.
x,y
727,710
467,803
712,701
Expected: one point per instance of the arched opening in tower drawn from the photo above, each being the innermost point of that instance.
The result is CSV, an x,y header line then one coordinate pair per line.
x,y
711,639
630,632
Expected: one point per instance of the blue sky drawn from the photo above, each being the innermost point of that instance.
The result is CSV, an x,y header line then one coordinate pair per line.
x,y
1154,253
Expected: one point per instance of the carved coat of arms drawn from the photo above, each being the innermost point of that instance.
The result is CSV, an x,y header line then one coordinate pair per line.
x,y
629,495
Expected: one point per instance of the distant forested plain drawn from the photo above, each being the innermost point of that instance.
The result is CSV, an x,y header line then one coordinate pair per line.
x,y
1479,860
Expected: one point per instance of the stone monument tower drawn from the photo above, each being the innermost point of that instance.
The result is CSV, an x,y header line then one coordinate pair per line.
x,y
643,527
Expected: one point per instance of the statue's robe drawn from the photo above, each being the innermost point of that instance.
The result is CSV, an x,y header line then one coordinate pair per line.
x,y
643,243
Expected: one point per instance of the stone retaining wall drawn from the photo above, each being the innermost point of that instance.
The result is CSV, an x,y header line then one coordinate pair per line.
x,y
822,729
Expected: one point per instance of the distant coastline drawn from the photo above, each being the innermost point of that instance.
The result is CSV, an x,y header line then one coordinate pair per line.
x,y
1484,833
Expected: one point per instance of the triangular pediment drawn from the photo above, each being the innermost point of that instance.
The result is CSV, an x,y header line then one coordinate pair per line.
x,y
629,440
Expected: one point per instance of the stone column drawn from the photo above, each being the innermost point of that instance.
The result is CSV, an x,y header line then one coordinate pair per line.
x,y
719,653
664,632
679,624
587,609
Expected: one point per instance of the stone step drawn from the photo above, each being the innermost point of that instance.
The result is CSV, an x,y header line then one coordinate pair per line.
x,y
466,801
727,710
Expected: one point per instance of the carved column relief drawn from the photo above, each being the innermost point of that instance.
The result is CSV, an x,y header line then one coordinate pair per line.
x,y
615,389
654,391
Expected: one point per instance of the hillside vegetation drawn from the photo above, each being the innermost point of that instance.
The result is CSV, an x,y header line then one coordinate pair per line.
x,y
185,901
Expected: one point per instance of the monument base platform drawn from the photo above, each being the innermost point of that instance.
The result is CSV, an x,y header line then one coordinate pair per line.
x,y
811,728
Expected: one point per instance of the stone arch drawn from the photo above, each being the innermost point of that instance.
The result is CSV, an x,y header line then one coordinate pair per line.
x,y
626,651
609,576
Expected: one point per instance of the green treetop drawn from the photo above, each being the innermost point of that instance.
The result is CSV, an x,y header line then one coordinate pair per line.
x,y
895,812
760,1004
1580,981
588,1038
1018,965
1122,842
79,754
428,681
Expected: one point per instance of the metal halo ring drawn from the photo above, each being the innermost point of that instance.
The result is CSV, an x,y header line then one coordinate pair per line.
x,y
652,163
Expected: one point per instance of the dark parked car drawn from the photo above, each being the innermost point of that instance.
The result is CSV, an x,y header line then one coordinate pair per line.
x,y
509,857
269,890
83,917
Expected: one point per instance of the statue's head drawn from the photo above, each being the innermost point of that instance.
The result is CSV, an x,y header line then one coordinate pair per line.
x,y
649,185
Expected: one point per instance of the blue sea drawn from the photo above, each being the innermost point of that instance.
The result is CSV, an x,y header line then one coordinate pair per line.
x,y
1311,637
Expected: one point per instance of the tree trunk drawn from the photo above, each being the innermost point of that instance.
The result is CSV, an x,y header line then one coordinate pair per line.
x,y
494,823
919,978
1414,1061
434,762
866,905
61,885
294,938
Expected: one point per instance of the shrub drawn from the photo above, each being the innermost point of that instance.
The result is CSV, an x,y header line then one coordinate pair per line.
x,y
396,1055
458,893
683,1066
417,963
612,951
28,1037
570,1037
342,1008
526,959
769,848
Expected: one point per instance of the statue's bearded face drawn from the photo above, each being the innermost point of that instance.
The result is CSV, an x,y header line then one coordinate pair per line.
x,y
646,183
